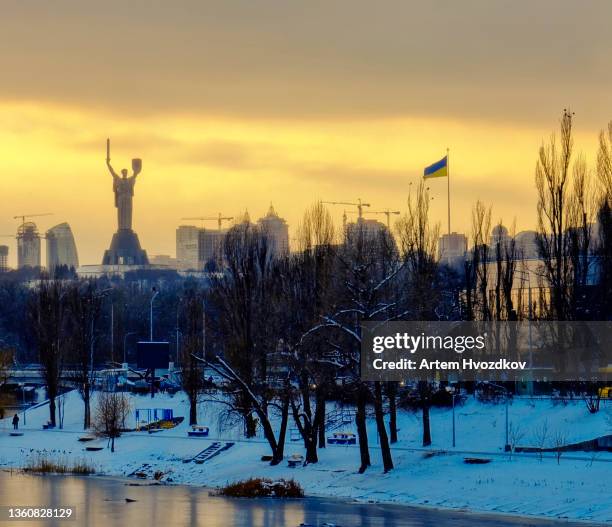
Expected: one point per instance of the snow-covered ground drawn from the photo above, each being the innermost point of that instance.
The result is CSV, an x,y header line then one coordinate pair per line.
x,y
577,488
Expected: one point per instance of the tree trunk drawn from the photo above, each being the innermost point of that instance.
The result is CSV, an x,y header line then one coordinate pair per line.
x,y
282,434
193,409
382,431
87,411
311,450
250,426
112,443
322,441
425,403
308,431
392,391
52,409
269,435
320,419
426,427
362,432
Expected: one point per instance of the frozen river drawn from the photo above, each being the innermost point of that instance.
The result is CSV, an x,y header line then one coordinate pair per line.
x,y
101,502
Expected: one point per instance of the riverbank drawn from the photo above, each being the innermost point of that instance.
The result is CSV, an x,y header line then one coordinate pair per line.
x,y
576,488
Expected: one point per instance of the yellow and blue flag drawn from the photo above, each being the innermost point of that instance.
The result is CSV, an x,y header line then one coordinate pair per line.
x,y
438,169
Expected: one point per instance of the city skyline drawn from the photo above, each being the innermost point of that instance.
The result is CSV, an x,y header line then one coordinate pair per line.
x,y
224,121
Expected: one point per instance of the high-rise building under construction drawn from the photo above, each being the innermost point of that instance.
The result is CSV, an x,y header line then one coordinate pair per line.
x,y
28,245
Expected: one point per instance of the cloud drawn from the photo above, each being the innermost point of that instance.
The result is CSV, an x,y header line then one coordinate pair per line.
x,y
317,60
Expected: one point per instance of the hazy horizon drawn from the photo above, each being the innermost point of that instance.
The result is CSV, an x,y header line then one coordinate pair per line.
x,y
236,106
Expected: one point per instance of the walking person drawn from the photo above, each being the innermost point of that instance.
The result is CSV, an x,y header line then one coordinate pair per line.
x,y
15,422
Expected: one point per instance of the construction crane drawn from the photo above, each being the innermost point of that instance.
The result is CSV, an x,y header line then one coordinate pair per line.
x,y
387,213
220,219
23,217
359,206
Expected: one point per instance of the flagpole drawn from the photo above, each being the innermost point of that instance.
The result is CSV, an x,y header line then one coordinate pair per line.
x,y
448,187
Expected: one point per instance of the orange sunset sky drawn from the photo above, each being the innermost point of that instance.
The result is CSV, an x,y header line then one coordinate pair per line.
x,y
236,104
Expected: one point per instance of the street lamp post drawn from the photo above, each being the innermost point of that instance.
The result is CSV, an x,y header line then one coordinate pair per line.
x,y
178,331
155,293
99,294
125,344
23,402
506,445
506,393
203,329
454,436
112,328
529,299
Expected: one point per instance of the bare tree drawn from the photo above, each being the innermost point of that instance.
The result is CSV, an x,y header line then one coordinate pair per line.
x,y
540,437
565,213
481,226
242,300
559,442
306,281
83,309
364,283
515,435
7,356
47,317
258,403
6,362
418,240
580,215
191,369
111,412
604,216
604,163
310,367
552,175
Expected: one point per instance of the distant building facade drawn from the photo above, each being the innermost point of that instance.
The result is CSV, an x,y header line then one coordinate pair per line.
x,y
500,235
163,260
369,228
452,248
187,247
526,245
61,247
28,245
277,230
4,251
210,248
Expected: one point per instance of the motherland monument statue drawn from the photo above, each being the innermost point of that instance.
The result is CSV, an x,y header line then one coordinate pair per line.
x,y
125,247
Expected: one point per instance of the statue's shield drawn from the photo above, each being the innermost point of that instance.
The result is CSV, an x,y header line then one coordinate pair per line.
x,y
136,165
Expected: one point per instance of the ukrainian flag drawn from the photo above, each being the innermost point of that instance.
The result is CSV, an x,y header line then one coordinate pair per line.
x,y
438,169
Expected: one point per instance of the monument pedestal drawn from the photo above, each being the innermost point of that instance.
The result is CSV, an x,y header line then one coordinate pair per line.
x,y
125,250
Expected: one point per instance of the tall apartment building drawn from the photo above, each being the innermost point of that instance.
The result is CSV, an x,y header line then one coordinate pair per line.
x,y
4,251
61,247
187,247
210,248
277,230
452,248
367,228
